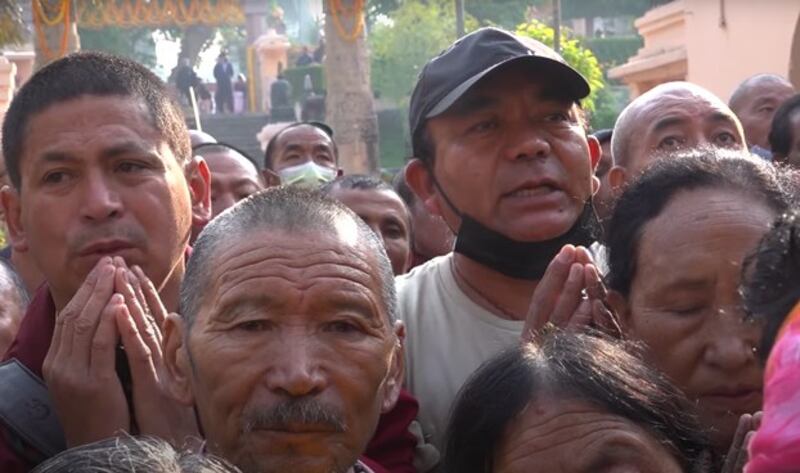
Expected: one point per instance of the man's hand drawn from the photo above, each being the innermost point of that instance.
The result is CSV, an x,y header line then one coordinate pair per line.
x,y
156,412
570,294
737,456
79,368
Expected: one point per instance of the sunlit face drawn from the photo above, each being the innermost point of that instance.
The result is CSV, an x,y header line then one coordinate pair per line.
x,y
677,119
98,179
514,156
386,214
758,107
685,306
233,178
571,436
292,358
303,144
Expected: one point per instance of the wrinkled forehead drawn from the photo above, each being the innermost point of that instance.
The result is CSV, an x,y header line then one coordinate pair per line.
x,y
305,136
692,101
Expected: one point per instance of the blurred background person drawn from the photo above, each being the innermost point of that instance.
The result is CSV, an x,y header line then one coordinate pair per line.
x,y
755,102
430,235
379,206
784,135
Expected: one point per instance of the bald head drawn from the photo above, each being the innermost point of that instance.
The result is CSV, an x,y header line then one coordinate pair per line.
x,y
669,117
755,101
198,137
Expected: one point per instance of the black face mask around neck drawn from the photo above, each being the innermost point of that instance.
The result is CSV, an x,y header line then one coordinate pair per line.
x,y
518,259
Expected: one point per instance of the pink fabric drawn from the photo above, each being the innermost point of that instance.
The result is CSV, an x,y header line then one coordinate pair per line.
x,y
775,448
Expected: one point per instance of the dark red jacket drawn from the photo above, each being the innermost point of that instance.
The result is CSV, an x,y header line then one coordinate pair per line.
x,y
390,451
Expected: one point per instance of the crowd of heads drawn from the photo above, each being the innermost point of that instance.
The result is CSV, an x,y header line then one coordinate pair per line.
x,y
523,295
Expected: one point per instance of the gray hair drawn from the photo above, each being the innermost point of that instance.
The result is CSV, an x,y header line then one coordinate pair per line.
x,y
286,208
128,454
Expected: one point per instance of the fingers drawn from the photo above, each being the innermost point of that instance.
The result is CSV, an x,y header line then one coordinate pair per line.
x,y
146,328
547,291
81,329
104,345
733,458
151,297
140,357
570,297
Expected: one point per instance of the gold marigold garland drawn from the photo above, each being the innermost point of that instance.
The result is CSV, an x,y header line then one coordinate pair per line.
x,y
40,20
356,12
157,13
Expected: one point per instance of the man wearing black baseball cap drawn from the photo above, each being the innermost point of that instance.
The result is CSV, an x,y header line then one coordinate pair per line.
x,y
502,155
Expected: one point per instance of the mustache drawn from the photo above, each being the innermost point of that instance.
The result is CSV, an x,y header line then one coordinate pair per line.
x,y
130,234
293,412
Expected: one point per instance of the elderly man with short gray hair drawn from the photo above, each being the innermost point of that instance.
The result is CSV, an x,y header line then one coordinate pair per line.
x,y
287,343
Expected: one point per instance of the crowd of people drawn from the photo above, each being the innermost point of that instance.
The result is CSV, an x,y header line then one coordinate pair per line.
x,y
525,295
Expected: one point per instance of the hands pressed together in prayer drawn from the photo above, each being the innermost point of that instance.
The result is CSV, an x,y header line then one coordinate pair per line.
x,y
116,305
571,294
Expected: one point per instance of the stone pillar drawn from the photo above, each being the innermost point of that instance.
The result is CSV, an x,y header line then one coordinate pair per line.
x,y
256,12
8,71
272,52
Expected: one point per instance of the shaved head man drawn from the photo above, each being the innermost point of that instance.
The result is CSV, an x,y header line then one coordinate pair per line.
x,y
669,117
755,101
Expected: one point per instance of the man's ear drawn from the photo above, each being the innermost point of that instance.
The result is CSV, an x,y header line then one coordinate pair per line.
x,y
595,151
619,306
199,178
12,209
419,179
176,358
617,179
394,379
271,179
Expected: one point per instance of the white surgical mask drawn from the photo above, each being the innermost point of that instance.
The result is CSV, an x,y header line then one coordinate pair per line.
x,y
309,174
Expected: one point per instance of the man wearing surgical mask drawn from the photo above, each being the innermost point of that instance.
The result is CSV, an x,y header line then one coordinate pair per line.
x,y
304,154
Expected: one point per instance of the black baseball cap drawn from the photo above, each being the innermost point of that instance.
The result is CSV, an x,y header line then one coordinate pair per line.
x,y
448,76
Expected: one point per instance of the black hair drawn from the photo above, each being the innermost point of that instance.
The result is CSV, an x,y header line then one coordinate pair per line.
x,y
575,366
361,182
603,135
771,281
780,133
272,141
646,197
98,74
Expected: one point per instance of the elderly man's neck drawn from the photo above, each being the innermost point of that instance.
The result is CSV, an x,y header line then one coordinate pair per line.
x,y
504,296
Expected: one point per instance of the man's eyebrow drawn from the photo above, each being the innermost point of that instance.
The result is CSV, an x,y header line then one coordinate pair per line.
x,y
124,148
293,147
764,100
56,156
667,122
471,104
717,117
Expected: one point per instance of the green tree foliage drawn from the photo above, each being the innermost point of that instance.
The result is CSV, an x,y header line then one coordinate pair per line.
x,y
400,47
134,43
11,25
579,57
605,8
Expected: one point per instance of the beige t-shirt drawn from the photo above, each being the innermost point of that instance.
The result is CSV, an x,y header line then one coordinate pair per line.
x,y
447,338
